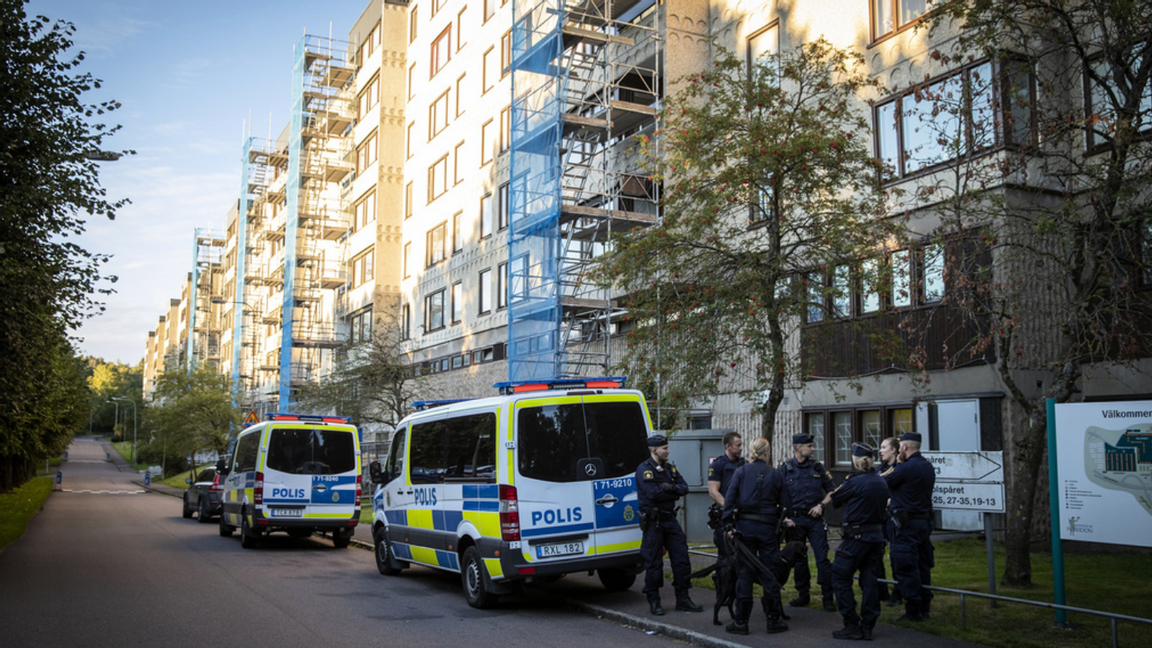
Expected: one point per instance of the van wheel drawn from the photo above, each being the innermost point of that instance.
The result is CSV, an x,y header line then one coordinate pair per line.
x,y
225,528
248,537
473,576
202,514
615,580
384,553
187,512
341,539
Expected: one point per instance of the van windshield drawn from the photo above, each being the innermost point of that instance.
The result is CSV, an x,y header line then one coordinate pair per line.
x,y
311,451
555,438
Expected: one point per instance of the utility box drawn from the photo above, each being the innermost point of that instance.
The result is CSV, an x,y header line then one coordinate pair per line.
x,y
692,451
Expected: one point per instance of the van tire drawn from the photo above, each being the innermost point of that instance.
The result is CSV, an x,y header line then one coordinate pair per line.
x,y
187,512
384,557
475,580
225,528
341,539
248,538
616,579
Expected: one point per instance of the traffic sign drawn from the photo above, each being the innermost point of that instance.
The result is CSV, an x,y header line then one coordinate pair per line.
x,y
251,419
983,466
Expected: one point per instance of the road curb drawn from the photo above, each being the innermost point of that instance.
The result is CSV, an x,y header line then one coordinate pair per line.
x,y
648,625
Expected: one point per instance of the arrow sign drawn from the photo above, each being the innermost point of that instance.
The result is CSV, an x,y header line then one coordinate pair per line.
x,y
984,467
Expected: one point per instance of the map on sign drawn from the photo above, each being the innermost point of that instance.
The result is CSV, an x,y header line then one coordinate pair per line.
x,y
1121,460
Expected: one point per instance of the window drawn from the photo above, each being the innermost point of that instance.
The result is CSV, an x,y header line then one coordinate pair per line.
x,y
842,291
407,259
612,433
870,286
457,165
457,302
517,276
366,154
460,94
488,75
870,428
435,245
409,198
901,278
486,142
457,235
368,47
894,15
489,9
933,272
501,286
461,449
438,178
408,140
441,51
1101,108
412,22
362,270
814,425
436,5
505,128
967,112
460,29
505,53
412,81
842,430
365,211
406,321
485,291
503,212
815,283
369,98
360,327
434,311
764,42
901,422
486,216
438,115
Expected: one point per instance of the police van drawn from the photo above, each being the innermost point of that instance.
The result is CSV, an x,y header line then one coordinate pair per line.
x,y
533,484
293,473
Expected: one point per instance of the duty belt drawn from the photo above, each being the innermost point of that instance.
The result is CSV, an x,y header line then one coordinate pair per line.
x,y
756,517
857,530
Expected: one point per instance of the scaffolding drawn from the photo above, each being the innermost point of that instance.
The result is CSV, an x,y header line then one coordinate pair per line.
x,y
586,79
207,279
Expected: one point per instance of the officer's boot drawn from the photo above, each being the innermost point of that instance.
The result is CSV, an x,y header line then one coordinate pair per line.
x,y
895,600
911,612
684,603
801,599
849,631
866,630
654,605
829,602
775,625
925,608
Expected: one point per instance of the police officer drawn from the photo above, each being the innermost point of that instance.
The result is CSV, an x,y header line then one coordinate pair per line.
x,y
808,481
911,482
889,448
753,504
864,496
658,486
720,473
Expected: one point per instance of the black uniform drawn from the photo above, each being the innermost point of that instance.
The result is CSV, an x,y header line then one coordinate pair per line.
x,y
807,483
863,496
753,502
911,483
881,574
721,470
658,503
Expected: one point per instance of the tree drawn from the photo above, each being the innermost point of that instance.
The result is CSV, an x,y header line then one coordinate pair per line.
x,y
192,412
108,380
1051,186
372,381
768,182
48,183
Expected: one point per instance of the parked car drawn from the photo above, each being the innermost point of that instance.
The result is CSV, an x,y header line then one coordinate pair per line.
x,y
204,495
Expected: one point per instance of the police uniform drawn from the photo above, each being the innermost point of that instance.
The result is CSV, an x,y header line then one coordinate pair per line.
x,y
911,482
753,503
893,598
807,483
864,496
721,470
658,486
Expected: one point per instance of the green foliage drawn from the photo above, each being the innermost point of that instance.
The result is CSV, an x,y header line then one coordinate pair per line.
x,y
192,412
48,184
110,380
21,505
767,176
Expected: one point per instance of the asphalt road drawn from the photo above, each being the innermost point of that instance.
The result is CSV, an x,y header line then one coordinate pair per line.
x,y
108,564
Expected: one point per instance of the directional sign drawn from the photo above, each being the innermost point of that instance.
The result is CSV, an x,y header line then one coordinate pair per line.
x,y
983,467
968,496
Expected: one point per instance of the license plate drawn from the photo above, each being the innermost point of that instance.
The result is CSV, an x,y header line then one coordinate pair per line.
x,y
285,512
559,549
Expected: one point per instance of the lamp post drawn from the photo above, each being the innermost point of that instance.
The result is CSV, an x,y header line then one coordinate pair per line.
x,y
129,400
115,415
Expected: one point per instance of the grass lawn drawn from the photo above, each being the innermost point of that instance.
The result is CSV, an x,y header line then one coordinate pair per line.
x,y
20,505
1106,582
125,450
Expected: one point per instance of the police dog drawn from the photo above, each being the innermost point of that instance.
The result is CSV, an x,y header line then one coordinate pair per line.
x,y
724,578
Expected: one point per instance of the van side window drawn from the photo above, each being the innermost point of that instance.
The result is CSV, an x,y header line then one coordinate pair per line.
x,y
246,450
460,449
395,466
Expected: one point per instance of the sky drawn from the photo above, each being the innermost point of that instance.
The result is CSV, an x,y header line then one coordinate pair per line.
x,y
195,79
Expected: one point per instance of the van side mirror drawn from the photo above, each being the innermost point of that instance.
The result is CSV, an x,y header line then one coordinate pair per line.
x,y
222,467
375,473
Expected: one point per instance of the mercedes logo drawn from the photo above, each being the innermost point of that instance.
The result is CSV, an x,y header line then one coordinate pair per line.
x,y
590,469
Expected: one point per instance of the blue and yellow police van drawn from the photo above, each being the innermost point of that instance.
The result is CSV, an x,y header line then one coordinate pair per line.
x,y
293,473
532,484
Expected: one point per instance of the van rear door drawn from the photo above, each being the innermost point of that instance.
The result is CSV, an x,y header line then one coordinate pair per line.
x,y
310,472
576,459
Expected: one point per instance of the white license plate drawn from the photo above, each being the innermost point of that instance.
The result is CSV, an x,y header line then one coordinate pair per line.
x,y
286,512
559,549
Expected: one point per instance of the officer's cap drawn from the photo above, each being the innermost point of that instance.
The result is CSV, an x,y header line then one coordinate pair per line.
x,y
801,439
657,440
862,450
910,436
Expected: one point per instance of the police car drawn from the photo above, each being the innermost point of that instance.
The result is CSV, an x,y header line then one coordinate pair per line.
x,y
532,484
293,473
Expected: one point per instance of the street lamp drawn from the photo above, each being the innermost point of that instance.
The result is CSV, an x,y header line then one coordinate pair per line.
x,y
129,400
115,415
